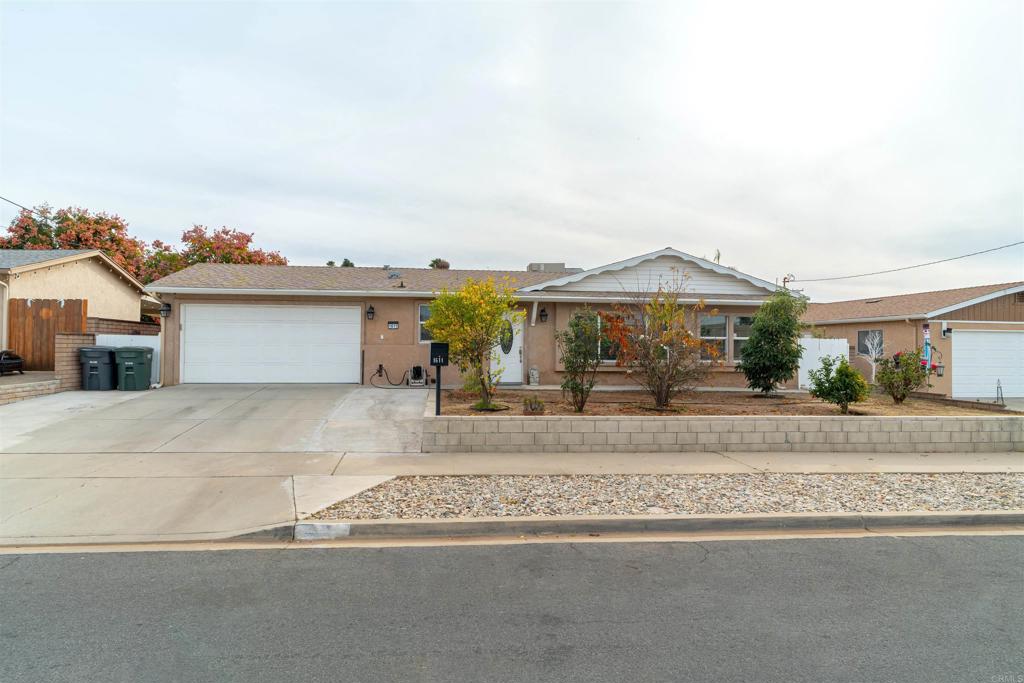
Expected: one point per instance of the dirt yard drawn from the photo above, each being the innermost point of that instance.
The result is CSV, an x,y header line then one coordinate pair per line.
x,y
704,403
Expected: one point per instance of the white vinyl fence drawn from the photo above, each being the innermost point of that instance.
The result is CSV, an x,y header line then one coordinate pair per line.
x,y
150,340
814,351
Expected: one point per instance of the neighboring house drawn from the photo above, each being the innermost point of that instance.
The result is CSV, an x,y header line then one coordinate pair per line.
x,y
38,287
977,334
248,323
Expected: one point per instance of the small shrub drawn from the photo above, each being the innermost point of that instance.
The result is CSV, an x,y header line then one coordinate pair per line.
x,y
905,372
533,406
578,346
839,383
772,354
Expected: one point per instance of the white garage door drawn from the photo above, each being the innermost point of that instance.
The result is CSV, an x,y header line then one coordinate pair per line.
x,y
981,358
243,343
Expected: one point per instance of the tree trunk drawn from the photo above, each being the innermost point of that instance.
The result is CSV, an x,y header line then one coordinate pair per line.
x,y
485,389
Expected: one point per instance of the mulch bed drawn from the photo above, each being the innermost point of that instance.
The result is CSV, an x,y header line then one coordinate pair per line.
x,y
705,403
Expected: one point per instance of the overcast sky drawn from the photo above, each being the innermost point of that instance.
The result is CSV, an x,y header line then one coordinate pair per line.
x,y
813,138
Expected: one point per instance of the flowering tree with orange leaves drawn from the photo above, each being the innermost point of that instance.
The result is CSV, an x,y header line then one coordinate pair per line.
x,y
76,228
654,340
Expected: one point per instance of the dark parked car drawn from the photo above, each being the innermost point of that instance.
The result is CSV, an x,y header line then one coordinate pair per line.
x,y
11,362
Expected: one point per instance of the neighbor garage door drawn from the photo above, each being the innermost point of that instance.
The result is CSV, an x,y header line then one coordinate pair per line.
x,y
242,343
982,358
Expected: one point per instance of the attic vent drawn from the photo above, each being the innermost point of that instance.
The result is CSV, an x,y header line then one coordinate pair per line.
x,y
872,301
394,275
1018,298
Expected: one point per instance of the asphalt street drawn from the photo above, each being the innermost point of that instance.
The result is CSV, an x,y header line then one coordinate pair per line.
x,y
873,609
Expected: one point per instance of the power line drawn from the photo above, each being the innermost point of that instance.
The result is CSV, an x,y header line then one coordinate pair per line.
x,y
895,270
25,208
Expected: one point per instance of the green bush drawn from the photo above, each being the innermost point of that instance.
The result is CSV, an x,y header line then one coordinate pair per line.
x,y
772,354
905,372
578,346
839,383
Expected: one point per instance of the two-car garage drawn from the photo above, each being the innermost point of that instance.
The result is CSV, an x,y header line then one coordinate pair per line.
x,y
238,343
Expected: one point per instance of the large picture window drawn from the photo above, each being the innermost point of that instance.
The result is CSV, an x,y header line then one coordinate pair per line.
x,y
424,316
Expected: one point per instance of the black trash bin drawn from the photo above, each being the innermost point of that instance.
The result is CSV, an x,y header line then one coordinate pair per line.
x,y
134,365
99,373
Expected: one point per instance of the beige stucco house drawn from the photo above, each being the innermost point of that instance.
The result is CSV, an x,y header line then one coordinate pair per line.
x,y
976,334
111,293
249,323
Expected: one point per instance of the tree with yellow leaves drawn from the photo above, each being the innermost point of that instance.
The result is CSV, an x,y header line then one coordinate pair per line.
x,y
471,320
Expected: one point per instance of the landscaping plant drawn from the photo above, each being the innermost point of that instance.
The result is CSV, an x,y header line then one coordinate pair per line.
x,y
471,320
771,355
533,406
836,381
655,343
578,346
905,372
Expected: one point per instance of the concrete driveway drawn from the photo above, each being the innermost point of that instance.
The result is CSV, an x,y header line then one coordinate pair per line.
x,y
191,462
232,418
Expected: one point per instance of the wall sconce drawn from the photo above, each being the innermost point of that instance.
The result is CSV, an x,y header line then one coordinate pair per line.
x,y
543,315
369,313
165,310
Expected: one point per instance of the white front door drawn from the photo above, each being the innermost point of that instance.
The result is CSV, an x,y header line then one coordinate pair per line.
x,y
982,358
508,354
242,343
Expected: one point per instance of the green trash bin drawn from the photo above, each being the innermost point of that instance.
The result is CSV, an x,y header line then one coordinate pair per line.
x,y
98,368
134,367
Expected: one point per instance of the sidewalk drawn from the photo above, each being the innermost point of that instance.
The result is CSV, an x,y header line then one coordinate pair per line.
x,y
156,497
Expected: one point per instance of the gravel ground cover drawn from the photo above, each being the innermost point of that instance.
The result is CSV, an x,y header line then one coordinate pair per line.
x,y
520,496
456,402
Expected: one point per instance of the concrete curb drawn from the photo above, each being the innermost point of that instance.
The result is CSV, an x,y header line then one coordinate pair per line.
x,y
537,526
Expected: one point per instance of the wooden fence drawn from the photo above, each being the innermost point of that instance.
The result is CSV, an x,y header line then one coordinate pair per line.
x,y
34,324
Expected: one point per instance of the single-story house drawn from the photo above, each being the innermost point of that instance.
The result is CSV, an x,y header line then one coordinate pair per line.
x,y
976,333
252,323
48,291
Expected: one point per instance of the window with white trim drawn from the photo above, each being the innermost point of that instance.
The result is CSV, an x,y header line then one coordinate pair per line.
x,y
867,340
714,330
424,316
741,325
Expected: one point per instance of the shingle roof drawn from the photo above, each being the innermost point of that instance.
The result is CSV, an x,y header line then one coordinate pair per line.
x,y
326,278
909,305
15,258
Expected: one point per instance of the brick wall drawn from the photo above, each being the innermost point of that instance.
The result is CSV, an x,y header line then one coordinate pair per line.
x,y
109,326
67,370
19,392
569,434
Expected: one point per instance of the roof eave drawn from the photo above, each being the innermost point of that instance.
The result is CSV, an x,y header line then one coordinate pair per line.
x,y
976,300
878,319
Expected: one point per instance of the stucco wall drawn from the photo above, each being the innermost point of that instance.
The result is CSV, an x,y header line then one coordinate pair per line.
x,y
908,335
109,294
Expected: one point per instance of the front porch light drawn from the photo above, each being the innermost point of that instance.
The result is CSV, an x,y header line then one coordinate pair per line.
x,y
369,313
165,310
543,315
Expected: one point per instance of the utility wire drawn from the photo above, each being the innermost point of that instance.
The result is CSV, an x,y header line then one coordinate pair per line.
x,y
895,270
25,208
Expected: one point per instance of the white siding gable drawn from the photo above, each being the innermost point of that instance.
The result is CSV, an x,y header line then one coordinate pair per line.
x,y
666,270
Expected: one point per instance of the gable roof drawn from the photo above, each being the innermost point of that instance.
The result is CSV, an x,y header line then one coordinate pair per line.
x,y
901,306
637,260
17,260
228,277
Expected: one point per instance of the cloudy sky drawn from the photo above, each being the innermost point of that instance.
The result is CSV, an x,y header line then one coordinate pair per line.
x,y
813,138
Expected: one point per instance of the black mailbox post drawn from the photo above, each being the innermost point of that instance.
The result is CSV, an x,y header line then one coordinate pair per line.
x,y
439,359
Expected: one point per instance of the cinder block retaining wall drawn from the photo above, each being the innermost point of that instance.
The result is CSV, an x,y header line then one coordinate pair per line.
x,y
567,434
